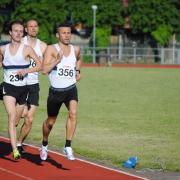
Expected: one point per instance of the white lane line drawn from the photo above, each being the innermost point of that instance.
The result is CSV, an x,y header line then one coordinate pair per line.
x,y
15,174
88,162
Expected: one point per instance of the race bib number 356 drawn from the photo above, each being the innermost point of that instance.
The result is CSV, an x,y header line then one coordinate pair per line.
x,y
65,72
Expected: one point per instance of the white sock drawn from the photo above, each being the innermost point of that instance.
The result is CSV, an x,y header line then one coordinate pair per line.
x,y
19,144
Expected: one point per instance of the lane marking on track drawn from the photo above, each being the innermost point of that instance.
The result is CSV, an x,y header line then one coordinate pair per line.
x,y
15,174
88,162
94,164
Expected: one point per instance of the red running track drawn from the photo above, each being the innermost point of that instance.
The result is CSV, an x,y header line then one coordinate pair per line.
x,y
56,167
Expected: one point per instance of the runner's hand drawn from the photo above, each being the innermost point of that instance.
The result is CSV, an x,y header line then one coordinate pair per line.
x,y
78,76
22,72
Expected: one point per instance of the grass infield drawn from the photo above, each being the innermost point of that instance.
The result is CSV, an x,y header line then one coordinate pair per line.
x,y
122,112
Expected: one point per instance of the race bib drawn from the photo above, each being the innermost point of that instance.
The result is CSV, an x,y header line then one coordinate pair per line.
x,y
32,63
14,77
65,71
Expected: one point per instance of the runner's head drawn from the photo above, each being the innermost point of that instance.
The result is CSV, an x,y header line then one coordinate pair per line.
x,y
16,30
63,33
32,28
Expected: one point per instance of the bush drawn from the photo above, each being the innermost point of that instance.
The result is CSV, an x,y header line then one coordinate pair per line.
x,y
87,59
103,36
162,34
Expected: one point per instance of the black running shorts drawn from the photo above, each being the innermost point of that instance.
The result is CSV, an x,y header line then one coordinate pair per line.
x,y
18,92
33,94
57,98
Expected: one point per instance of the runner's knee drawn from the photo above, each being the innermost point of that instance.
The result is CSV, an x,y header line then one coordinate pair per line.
x,y
29,120
49,123
72,114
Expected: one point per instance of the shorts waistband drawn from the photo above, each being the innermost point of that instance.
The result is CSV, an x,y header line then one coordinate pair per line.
x,y
62,89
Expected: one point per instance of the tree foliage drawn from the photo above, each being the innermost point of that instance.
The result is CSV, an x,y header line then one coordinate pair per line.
x,y
3,12
145,16
50,13
162,33
103,36
154,17
45,13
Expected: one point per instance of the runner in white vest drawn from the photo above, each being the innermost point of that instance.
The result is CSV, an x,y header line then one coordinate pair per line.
x,y
63,75
11,65
16,61
32,100
62,63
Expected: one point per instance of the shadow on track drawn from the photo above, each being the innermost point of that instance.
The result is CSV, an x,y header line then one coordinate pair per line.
x,y
6,150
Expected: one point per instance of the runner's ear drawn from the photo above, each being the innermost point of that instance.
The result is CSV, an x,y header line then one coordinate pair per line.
x,y
57,35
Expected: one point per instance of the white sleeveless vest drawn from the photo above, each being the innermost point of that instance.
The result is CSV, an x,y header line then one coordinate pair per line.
x,y
33,78
14,63
63,74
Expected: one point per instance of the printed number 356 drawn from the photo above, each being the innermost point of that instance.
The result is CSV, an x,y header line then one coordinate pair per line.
x,y
65,72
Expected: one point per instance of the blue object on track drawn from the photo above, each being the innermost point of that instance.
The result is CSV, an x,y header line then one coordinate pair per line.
x,y
131,162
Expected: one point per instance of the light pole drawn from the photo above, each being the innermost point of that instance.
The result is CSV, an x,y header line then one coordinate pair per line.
x,y
94,8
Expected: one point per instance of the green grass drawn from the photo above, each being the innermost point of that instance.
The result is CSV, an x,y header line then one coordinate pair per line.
x,y
122,112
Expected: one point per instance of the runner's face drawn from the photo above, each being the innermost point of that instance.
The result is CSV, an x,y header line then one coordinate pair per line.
x,y
32,28
17,32
64,35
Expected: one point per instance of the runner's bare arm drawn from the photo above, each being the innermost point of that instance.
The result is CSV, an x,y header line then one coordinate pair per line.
x,y
51,59
30,53
1,55
34,56
78,63
43,47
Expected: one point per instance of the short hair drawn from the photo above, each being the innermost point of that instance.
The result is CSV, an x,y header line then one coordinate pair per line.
x,y
63,25
15,22
31,20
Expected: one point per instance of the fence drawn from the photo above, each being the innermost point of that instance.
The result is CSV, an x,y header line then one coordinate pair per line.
x,y
132,55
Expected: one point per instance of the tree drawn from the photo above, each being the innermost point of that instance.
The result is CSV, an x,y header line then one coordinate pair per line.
x,y
162,34
148,17
154,17
6,8
50,13
103,36
45,12
176,21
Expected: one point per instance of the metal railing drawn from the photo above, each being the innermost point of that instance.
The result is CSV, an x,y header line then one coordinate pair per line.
x,y
132,55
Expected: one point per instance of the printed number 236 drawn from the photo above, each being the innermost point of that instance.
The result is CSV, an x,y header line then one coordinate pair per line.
x,y
16,78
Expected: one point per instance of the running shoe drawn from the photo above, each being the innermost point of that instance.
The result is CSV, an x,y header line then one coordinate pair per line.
x,y
43,152
21,149
16,154
69,153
